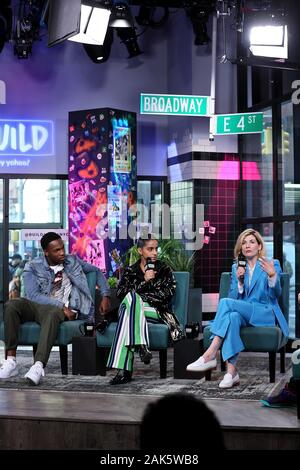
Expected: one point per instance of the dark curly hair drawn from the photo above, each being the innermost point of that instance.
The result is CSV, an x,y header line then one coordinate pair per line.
x,y
48,238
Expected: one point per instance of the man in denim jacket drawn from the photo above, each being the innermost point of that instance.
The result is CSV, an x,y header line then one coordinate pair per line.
x,y
56,289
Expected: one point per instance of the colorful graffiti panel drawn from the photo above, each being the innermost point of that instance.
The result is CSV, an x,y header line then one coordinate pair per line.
x,y
102,185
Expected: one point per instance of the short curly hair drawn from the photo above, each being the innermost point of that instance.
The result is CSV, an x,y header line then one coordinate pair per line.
x,y
48,238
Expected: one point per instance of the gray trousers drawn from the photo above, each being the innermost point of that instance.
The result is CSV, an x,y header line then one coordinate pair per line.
x,y
21,310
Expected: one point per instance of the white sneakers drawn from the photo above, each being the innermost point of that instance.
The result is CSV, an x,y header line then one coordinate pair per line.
x,y
229,381
35,373
9,368
201,366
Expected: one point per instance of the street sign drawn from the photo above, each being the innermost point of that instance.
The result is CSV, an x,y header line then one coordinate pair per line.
x,y
181,105
242,123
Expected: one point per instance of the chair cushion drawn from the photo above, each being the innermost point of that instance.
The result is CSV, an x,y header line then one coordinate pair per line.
x,y
67,331
259,338
104,340
30,332
180,299
158,335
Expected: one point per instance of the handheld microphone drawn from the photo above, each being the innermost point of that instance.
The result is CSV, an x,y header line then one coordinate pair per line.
x,y
149,264
242,264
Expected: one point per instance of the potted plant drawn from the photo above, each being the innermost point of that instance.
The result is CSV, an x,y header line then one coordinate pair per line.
x,y
171,252
114,301
112,282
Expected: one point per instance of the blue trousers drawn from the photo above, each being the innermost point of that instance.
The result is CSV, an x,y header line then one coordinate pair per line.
x,y
231,316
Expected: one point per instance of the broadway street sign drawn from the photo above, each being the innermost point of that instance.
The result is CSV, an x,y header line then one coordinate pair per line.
x,y
243,123
181,105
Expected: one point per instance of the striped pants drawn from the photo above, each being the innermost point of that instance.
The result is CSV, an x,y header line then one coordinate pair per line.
x,y
131,331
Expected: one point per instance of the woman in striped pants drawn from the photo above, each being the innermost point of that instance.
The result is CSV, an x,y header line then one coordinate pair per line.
x,y
146,290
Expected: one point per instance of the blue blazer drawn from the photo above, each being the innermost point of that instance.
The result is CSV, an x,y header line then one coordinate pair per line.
x,y
263,298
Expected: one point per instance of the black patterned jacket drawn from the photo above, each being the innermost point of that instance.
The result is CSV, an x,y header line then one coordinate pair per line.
x,y
158,292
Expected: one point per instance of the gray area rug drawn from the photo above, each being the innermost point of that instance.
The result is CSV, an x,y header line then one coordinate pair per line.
x,y
253,371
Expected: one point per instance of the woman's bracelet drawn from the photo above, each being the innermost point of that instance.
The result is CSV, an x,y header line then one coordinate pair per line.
x,y
272,274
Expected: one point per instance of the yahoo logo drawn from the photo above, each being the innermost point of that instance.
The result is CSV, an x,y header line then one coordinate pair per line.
x,y
26,137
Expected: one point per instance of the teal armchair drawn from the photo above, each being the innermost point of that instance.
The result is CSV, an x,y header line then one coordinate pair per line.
x,y
158,333
30,331
260,338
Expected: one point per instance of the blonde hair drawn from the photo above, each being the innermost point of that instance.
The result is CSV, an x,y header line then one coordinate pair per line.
x,y
241,238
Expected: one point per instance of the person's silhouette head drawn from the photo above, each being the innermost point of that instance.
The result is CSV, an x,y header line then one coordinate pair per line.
x,y
170,422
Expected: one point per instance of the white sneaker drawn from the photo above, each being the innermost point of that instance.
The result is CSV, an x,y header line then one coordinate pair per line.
x,y
229,381
200,365
9,368
35,373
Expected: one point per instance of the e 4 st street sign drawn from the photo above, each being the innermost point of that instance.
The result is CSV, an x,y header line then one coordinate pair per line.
x,y
182,105
242,123
193,105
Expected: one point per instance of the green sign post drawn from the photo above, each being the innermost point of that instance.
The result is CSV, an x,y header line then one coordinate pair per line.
x,y
181,105
243,123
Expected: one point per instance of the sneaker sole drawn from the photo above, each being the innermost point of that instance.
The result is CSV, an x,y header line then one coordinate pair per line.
x,y
30,381
230,386
14,374
201,370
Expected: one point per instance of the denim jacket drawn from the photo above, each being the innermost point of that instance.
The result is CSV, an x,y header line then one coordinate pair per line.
x,y
38,278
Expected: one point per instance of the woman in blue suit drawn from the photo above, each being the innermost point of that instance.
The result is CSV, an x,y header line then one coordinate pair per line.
x,y
252,301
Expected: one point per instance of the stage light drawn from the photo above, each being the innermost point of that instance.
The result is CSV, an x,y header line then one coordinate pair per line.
x,y
82,21
268,34
93,24
120,15
22,48
269,41
27,27
100,54
129,38
199,12
147,16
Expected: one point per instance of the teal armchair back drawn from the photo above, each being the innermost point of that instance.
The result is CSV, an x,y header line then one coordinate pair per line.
x,y
30,331
260,338
158,333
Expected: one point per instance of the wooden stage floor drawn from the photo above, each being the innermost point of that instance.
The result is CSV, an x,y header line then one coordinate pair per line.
x,y
35,419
